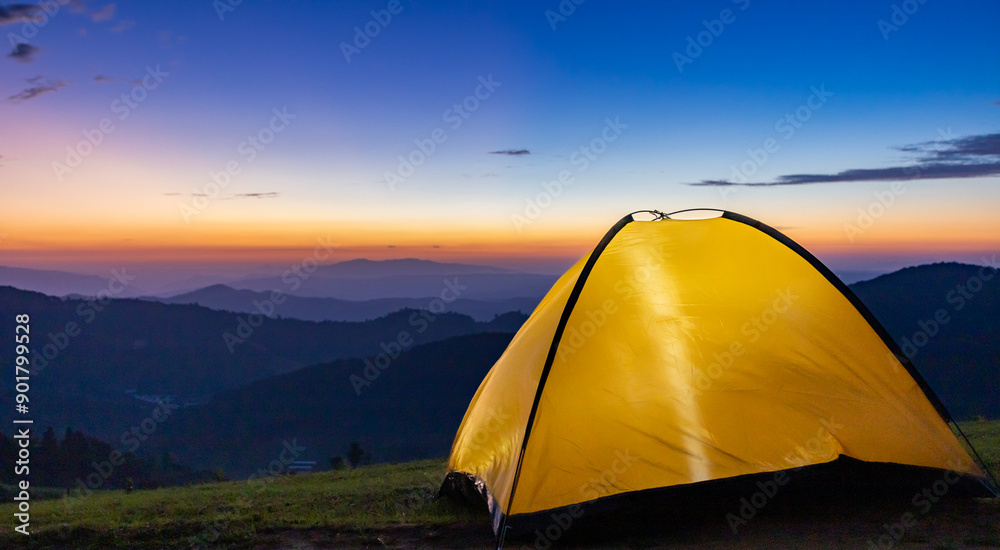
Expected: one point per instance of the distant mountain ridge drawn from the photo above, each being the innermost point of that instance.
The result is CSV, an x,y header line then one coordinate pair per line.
x,y
356,280
361,268
61,283
224,298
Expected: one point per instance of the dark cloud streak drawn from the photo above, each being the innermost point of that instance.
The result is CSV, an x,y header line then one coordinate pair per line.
x,y
25,53
35,91
967,157
12,13
512,152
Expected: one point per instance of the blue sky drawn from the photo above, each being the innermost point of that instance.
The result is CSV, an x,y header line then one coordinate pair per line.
x,y
560,79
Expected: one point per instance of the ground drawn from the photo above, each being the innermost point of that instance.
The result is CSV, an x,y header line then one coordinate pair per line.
x,y
393,506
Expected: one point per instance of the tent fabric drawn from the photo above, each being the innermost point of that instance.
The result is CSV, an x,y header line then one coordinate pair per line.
x,y
692,351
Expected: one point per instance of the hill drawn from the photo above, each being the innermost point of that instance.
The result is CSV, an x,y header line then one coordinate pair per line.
x,y
946,317
408,410
100,364
224,298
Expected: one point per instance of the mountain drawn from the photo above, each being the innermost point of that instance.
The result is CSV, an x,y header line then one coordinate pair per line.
x,y
946,317
360,280
99,366
410,410
362,268
61,283
222,297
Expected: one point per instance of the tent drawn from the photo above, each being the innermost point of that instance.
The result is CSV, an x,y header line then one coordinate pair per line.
x,y
680,353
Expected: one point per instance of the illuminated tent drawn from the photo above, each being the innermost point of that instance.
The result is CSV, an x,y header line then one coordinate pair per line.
x,y
681,352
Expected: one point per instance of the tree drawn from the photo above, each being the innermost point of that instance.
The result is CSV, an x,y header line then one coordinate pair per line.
x,y
337,463
355,454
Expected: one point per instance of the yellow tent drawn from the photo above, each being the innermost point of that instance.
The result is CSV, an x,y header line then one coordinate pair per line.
x,y
685,351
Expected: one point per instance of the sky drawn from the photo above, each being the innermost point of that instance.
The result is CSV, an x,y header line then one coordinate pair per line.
x,y
227,138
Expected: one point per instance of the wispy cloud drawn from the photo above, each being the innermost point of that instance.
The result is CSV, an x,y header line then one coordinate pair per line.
x,y
25,53
102,78
37,90
12,13
967,157
269,195
104,14
123,25
511,152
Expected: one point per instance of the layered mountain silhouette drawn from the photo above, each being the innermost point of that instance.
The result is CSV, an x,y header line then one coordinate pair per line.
x,y
60,283
291,379
101,365
222,297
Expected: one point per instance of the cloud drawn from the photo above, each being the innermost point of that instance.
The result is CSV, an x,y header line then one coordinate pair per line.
x,y
996,103
967,157
123,25
105,13
269,195
102,78
25,53
511,152
35,91
12,13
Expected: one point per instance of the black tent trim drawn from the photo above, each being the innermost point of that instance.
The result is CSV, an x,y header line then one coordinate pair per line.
x,y
574,295
874,323
855,301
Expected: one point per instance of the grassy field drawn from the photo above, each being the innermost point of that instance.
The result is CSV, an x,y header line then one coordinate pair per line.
x,y
392,506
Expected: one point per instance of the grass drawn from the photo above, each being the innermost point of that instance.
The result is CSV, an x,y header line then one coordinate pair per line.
x,y
985,436
240,514
373,506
